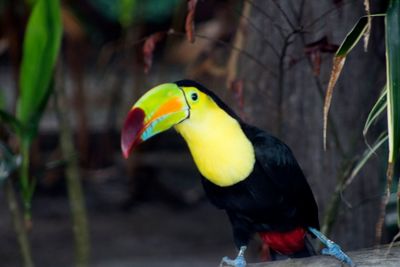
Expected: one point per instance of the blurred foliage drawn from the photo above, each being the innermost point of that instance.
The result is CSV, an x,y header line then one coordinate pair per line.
x,y
126,11
2,99
40,49
129,11
8,162
31,2
42,41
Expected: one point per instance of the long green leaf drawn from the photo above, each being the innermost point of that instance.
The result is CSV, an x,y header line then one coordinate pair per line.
x,y
365,157
40,49
393,84
41,45
393,77
376,111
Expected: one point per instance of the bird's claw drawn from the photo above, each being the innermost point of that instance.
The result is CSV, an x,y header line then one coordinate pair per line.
x,y
332,249
335,250
238,262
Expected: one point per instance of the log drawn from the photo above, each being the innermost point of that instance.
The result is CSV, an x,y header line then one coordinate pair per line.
x,y
377,257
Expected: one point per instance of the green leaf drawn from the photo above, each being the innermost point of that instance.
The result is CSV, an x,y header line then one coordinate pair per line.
x,y
353,37
40,49
376,111
393,84
393,77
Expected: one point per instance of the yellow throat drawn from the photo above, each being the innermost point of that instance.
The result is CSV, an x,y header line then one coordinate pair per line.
x,y
222,152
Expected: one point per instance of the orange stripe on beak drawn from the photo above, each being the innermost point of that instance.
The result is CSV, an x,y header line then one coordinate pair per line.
x,y
171,106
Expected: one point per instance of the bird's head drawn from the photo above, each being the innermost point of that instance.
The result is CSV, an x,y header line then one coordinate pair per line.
x,y
163,107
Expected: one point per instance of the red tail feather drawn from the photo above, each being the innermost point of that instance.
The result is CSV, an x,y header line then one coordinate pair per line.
x,y
285,242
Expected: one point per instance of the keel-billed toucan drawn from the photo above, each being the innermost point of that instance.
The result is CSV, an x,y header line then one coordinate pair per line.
x,y
247,172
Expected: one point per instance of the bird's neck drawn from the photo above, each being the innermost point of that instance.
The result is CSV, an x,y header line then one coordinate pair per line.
x,y
222,152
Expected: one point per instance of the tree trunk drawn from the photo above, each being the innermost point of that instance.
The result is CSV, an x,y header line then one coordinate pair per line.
x,y
285,97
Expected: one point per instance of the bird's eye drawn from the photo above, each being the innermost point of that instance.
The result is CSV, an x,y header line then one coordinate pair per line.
x,y
194,96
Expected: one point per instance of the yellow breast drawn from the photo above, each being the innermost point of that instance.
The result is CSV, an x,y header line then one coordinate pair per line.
x,y
222,152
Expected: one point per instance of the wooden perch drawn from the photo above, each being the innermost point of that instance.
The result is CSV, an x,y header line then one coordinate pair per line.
x,y
377,257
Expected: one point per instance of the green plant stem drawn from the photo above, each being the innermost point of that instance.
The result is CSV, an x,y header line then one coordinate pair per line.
x,y
24,180
19,226
332,210
75,192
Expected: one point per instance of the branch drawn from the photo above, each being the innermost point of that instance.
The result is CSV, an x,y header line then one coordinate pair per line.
x,y
366,257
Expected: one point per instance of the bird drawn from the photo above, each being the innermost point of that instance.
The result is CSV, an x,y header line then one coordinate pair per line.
x,y
244,170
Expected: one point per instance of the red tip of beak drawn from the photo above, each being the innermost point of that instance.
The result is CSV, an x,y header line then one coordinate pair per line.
x,y
130,135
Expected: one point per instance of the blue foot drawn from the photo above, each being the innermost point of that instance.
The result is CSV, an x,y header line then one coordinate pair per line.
x,y
240,261
332,248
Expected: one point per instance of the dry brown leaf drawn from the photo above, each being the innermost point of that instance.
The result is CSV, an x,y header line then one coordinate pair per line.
x,y
238,42
237,89
189,24
316,62
315,49
338,63
148,49
72,26
368,30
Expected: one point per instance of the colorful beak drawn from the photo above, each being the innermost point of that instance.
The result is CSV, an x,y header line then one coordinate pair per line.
x,y
156,111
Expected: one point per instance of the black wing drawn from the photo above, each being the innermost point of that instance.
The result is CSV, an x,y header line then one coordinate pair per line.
x,y
280,166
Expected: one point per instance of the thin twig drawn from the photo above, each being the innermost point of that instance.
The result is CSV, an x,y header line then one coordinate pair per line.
x,y
324,14
284,15
281,30
258,30
281,79
218,41
243,52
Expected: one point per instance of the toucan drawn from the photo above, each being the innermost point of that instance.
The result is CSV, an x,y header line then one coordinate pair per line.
x,y
245,171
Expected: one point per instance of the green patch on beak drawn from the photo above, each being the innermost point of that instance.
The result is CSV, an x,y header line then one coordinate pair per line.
x,y
156,111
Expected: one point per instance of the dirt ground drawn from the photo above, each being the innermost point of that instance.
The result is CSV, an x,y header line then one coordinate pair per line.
x,y
148,234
